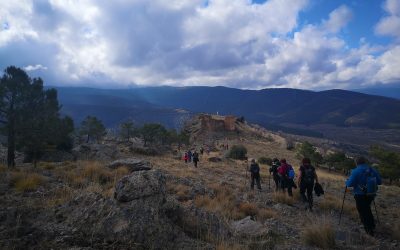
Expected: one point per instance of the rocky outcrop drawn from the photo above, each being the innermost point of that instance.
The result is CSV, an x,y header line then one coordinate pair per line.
x,y
133,164
247,227
213,123
140,185
138,218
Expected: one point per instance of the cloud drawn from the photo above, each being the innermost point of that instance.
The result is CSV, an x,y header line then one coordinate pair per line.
x,y
390,25
190,42
338,19
35,67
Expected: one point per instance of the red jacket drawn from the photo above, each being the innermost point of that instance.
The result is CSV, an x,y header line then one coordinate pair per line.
x,y
283,169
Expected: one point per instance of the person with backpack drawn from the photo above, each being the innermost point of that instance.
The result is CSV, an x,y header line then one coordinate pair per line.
x,y
185,157
307,178
255,174
195,158
190,156
364,180
283,174
290,180
274,171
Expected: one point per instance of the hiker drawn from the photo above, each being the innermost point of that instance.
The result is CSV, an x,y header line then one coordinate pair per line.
x,y
255,174
274,170
201,150
307,177
290,180
195,158
364,180
190,156
185,157
282,172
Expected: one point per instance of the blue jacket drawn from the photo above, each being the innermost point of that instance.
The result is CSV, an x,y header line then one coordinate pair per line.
x,y
357,178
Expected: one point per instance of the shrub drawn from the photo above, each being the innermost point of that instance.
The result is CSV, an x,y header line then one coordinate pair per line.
x,y
266,213
97,173
283,198
249,209
319,235
238,152
223,203
28,182
46,165
265,160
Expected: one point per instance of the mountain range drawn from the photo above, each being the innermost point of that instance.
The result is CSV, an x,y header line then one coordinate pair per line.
x,y
268,107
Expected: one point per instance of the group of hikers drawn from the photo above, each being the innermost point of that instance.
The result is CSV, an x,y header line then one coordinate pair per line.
x,y
363,179
190,156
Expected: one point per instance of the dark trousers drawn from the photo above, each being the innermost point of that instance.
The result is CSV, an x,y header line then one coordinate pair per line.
x,y
256,178
195,162
363,203
282,182
290,184
277,182
307,188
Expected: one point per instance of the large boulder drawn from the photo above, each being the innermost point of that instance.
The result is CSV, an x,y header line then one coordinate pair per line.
x,y
139,185
248,228
138,217
133,164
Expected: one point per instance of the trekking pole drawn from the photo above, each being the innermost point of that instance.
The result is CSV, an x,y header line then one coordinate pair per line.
x,y
269,181
341,211
245,180
376,212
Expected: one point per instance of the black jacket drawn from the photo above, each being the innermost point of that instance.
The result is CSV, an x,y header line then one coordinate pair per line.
x,y
254,169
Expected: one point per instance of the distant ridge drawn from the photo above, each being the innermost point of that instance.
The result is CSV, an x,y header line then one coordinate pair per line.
x,y
392,92
265,107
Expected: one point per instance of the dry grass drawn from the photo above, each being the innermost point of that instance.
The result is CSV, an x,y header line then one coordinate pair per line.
x,y
331,202
47,165
283,198
320,234
60,196
25,182
96,172
228,246
248,209
266,213
181,191
223,203
74,179
3,168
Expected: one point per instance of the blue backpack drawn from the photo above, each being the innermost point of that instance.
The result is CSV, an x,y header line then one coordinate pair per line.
x,y
369,184
291,172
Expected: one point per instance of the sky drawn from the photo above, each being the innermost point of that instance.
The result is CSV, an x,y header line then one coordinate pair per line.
x,y
306,44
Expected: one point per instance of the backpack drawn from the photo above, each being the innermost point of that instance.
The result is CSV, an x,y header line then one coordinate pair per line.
x,y
290,172
308,175
274,169
318,189
369,184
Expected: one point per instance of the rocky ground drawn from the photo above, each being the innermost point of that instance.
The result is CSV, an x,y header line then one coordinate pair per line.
x,y
116,196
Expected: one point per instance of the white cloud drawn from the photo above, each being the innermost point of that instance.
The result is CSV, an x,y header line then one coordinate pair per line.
x,y
390,25
184,42
338,19
35,67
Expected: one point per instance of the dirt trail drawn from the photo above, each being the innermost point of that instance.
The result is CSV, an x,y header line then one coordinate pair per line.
x,y
291,218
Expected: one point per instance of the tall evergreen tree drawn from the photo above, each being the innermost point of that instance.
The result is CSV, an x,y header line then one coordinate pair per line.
x,y
127,130
93,128
30,115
